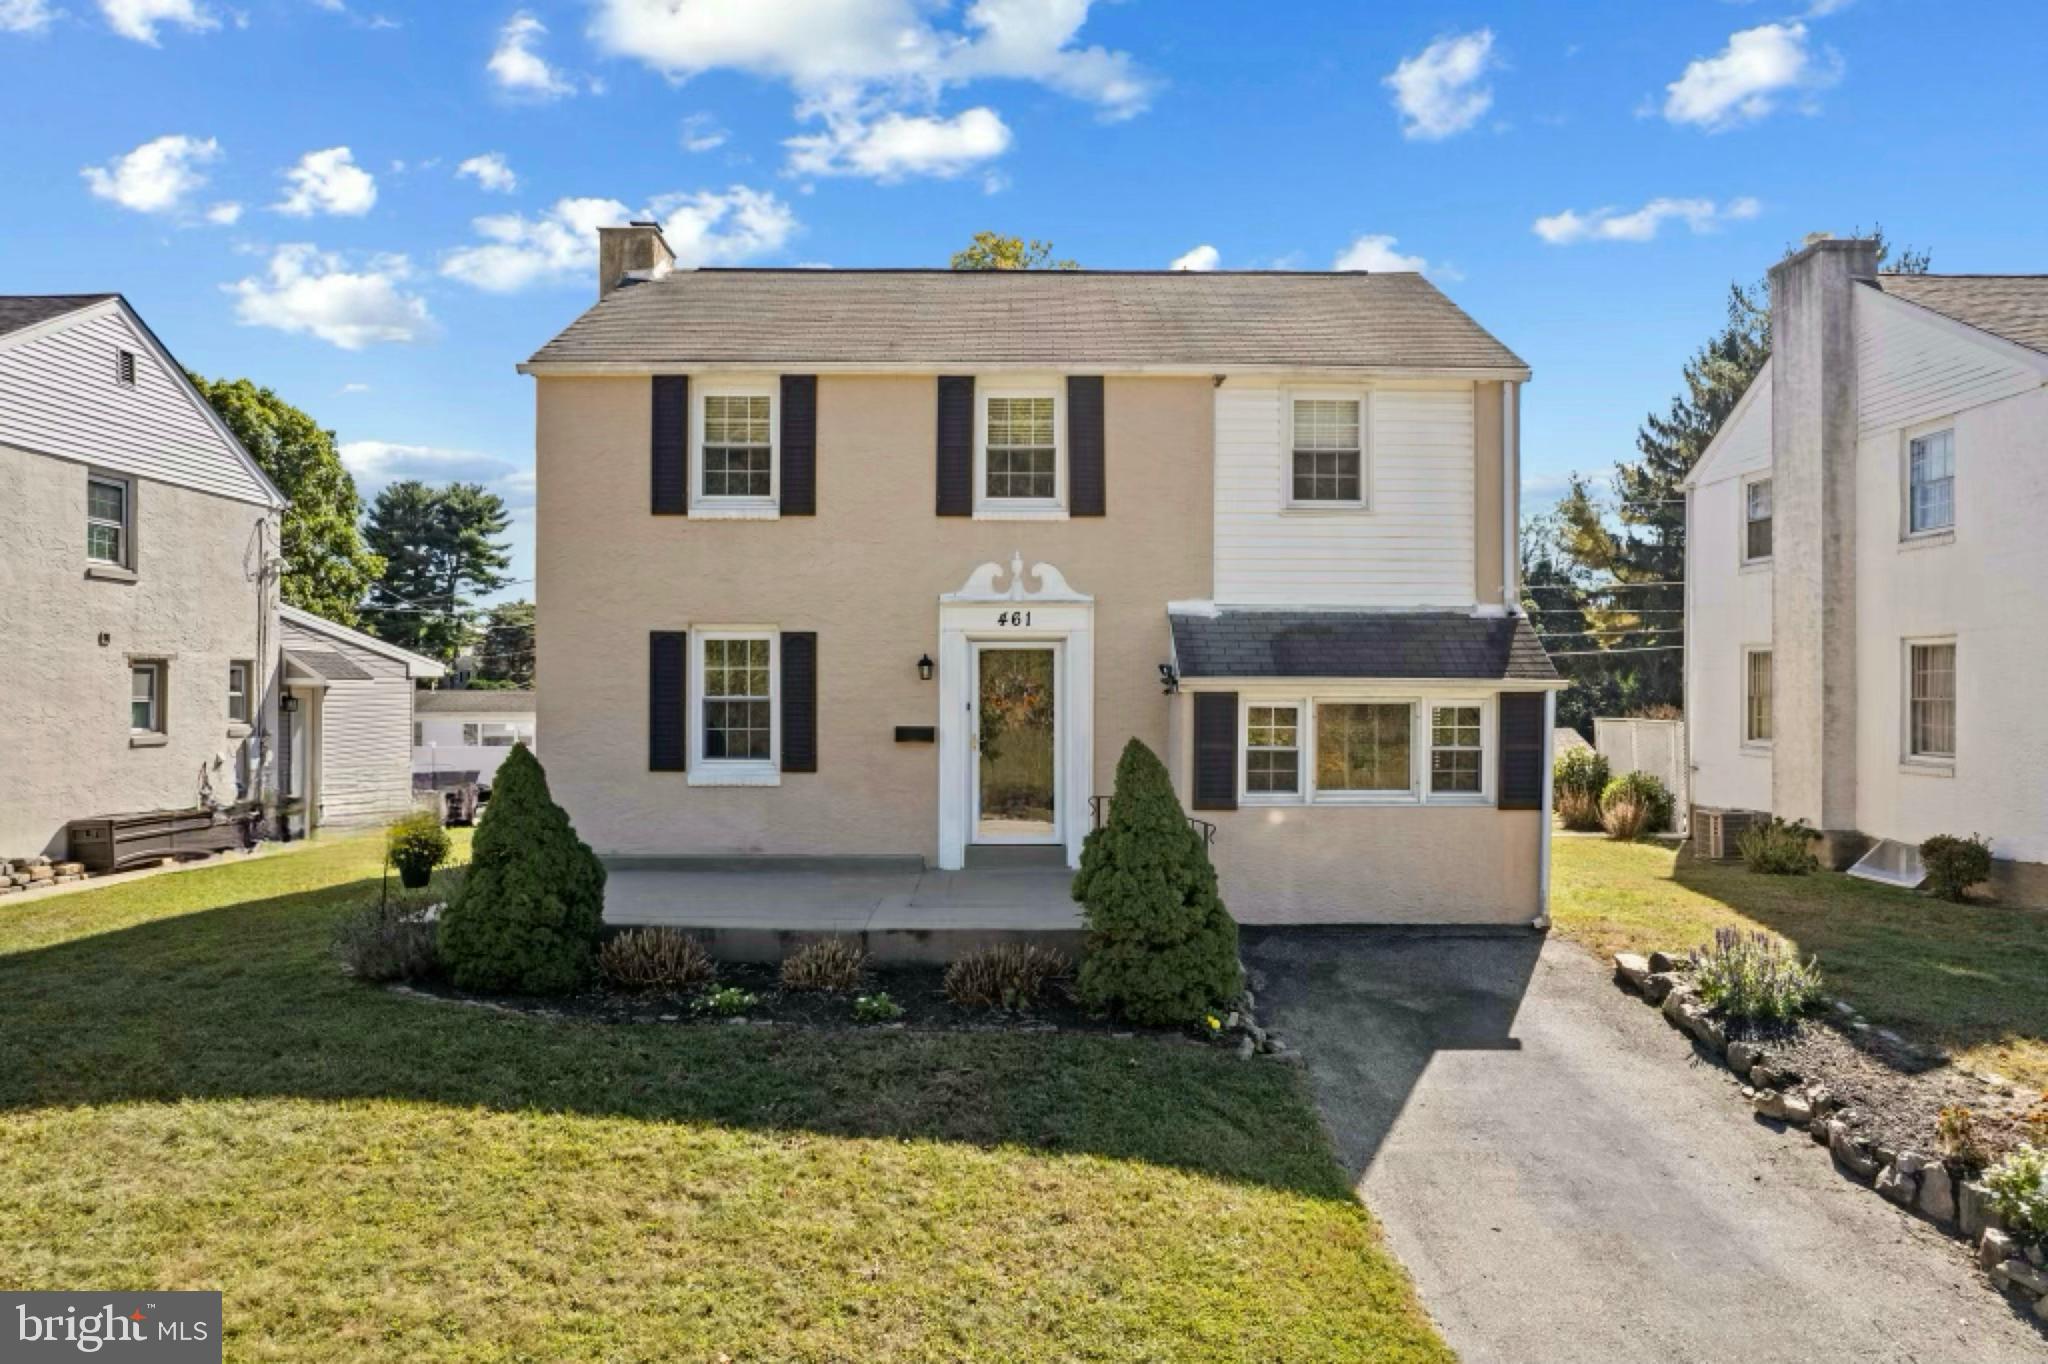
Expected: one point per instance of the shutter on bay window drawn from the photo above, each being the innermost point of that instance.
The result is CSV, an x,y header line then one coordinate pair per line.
x,y
1215,750
799,445
1088,489
671,445
956,445
799,701
1521,750
668,699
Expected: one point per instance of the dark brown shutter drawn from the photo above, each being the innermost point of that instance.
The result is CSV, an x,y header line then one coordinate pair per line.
x,y
1087,488
668,699
1521,750
956,445
671,445
1215,750
799,445
799,701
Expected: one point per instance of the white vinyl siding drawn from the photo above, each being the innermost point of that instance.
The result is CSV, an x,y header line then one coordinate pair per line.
x,y
60,395
1411,545
1912,366
365,759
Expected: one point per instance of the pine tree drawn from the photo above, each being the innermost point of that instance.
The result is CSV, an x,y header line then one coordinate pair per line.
x,y
440,547
528,914
1161,947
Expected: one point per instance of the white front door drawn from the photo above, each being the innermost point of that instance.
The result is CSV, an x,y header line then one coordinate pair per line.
x,y
1015,725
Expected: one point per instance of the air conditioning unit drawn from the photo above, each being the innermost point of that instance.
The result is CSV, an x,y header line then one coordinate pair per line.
x,y
1716,833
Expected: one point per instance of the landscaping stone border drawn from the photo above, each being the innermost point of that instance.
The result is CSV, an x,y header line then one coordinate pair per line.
x,y
1925,1185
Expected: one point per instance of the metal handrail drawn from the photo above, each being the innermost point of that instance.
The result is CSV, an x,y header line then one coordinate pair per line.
x,y
1098,810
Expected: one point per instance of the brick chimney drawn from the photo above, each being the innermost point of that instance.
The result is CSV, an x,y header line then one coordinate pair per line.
x,y
1813,495
636,249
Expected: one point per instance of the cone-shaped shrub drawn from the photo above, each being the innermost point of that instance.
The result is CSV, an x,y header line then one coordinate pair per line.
x,y
527,916
1161,947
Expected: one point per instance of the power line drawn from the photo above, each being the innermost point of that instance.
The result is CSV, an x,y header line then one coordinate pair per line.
x,y
1606,653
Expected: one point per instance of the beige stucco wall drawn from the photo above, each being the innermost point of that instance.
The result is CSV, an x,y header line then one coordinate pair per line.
x,y
64,736
865,573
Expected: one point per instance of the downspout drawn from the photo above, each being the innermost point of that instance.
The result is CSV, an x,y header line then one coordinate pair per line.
x,y
1543,854
1510,496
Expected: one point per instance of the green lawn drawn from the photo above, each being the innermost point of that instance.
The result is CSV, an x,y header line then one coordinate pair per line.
x,y
191,1096
1967,978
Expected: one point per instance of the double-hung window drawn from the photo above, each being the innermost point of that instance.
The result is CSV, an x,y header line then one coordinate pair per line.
x,y
106,521
1272,750
1931,482
238,693
736,449
1931,702
1456,751
1756,520
146,698
1021,453
1756,696
736,695
1328,443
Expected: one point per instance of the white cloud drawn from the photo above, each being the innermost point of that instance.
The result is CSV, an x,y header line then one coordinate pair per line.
x,y
1746,79
1203,257
314,292
158,176
1641,225
518,68
373,463
138,19
328,181
706,228
1441,90
490,171
1376,253
701,133
355,388
226,213
894,146
25,16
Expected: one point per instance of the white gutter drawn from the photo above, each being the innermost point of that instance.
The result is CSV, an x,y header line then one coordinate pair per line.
x,y
643,367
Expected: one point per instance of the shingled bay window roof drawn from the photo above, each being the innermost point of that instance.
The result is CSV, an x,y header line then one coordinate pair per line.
x,y
1100,319
1440,645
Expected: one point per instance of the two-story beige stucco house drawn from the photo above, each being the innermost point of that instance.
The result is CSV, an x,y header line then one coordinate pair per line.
x,y
849,563
1866,574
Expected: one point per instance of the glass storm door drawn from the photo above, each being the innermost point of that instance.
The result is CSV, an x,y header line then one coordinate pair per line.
x,y
1016,727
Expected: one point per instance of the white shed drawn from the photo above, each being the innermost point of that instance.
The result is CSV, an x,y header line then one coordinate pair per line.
x,y
470,730
347,728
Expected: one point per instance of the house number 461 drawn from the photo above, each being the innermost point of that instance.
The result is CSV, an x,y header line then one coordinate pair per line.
x,y
1018,618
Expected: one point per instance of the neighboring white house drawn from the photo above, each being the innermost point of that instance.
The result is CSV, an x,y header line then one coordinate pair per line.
x,y
1867,571
347,716
469,731
137,580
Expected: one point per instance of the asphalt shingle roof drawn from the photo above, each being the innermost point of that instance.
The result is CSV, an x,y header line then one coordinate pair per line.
x,y
330,664
25,310
2012,306
1363,644
465,701
1052,317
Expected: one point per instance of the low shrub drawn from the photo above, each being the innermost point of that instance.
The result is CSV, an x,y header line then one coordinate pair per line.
x,y
2019,1192
1625,819
1576,782
1007,976
1955,864
728,1001
876,1008
1640,788
389,939
653,959
831,965
1956,1131
417,844
1754,975
1775,848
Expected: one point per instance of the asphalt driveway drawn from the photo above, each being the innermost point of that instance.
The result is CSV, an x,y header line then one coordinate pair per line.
x,y
1566,1182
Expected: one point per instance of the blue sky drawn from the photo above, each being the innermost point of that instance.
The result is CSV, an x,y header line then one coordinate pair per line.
x,y
379,208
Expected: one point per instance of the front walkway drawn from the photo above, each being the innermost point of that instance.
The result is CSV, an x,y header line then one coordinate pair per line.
x,y
1566,1183
902,911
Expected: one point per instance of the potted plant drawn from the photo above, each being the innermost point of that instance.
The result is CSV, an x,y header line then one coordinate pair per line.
x,y
417,844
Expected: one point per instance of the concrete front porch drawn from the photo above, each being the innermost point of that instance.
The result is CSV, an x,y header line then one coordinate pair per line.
x,y
755,909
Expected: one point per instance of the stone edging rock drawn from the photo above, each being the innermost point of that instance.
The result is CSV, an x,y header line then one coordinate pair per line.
x,y
1919,1183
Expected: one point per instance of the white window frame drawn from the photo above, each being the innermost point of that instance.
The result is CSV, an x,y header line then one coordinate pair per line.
x,y
159,685
1907,437
1743,521
1943,763
735,508
988,508
1742,731
1420,705
248,675
126,526
1288,398
703,771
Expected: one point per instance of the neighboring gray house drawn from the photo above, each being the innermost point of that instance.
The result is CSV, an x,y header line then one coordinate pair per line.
x,y
137,579
347,724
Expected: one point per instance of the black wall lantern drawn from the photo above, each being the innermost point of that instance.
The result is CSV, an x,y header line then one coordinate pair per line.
x,y
924,667
287,703
1169,680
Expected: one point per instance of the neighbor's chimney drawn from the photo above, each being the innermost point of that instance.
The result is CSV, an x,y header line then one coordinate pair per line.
x,y
1813,495
636,249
